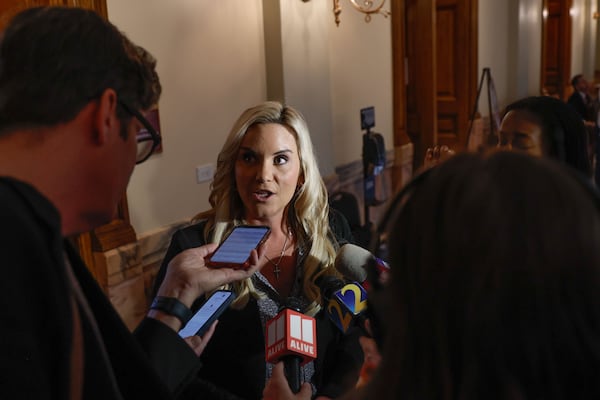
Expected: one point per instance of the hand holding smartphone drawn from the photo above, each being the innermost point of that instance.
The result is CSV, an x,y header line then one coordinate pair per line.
x,y
235,250
210,311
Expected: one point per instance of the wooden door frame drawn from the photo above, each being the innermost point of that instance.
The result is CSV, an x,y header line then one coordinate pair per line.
x,y
399,78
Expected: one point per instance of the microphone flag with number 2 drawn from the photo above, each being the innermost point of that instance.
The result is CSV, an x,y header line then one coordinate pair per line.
x,y
346,304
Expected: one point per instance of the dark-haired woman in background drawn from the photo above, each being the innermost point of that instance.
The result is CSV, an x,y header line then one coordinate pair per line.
x,y
545,126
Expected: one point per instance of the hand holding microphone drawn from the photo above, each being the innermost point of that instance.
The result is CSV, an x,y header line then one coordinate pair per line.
x,y
291,337
277,388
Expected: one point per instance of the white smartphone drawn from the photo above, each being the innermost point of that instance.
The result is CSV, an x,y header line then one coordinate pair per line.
x,y
234,251
207,314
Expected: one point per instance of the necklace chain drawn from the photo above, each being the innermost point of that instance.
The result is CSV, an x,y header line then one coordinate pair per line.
x,y
276,269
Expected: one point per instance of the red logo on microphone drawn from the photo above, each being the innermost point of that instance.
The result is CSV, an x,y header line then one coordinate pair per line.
x,y
291,332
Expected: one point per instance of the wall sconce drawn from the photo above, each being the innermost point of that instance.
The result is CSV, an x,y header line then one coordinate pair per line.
x,y
366,7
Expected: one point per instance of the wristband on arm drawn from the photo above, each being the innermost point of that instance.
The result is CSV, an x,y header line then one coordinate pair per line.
x,y
172,306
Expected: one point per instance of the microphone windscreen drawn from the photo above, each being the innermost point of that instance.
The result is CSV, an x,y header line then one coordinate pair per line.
x,y
352,261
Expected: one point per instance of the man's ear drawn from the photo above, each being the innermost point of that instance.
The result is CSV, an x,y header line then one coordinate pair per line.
x,y
106,120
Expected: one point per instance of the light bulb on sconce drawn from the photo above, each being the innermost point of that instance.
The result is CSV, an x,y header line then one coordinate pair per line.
x,y
366,7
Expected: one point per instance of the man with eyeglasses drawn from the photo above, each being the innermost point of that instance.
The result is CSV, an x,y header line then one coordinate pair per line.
x,y
73,92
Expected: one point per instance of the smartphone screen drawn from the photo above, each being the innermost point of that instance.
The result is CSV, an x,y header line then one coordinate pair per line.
x,y
207,314
235,249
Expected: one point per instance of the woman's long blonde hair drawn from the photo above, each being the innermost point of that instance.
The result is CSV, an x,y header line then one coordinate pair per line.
x,y
307,212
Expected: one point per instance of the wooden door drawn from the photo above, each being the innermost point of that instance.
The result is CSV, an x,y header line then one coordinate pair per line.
x,y
456,69
556,48
8,8
421,85
441,63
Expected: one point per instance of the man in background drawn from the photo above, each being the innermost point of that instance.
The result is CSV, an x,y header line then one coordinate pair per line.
x,y
581,100
73,93
588,108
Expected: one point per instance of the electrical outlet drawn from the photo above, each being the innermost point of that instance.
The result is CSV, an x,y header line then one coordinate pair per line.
x,y
204,173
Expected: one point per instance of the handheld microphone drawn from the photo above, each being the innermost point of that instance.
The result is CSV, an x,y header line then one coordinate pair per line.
x,y
291,337
355,263
345,303
359,264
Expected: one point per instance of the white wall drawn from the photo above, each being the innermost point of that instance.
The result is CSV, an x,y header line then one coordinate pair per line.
x,y
583,41
590,37
306,72
578,27
361,67
493,48
529,53
331,72
510,45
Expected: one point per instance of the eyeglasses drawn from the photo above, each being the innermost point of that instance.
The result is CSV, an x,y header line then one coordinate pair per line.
x,y
147,137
